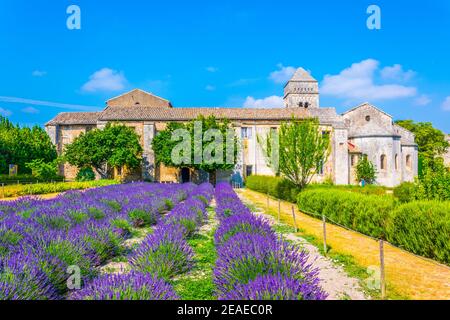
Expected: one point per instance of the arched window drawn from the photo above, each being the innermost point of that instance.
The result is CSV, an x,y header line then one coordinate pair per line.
x,y
396,162
300,104
408,162
306,105
383,162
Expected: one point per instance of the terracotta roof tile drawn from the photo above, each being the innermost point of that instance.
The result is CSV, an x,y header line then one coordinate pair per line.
x,y
73,118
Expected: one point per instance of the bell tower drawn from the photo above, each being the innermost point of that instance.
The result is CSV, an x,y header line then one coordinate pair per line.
x,y
302,91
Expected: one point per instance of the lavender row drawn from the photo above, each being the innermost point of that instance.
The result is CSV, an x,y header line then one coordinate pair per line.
x,y
253,264
40,239
161,256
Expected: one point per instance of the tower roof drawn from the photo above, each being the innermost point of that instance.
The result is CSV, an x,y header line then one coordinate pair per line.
x,y
302,75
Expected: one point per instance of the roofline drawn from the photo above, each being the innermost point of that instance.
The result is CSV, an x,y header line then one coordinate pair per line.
x,y
367,104
137,89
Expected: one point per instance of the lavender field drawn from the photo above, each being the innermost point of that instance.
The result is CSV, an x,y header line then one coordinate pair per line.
x,y
190,247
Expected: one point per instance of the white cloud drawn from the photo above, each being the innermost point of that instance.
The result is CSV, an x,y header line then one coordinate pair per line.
x,y
283,74
38,73
5,112
105,80
269,102
423,100
357,83
210,88
446,104
396,72
47,103
212,69
30,110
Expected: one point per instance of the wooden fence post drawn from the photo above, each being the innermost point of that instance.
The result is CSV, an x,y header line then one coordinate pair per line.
x,y
3,190
324,221
382,274
268,202
295,221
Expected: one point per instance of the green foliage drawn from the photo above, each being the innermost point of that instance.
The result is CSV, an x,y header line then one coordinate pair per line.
x,y
22,145
431,141
114,146
163,145
141,218
365,170
405,192
85,174
422,227
435,181
303,149
277,187
364,213
45,171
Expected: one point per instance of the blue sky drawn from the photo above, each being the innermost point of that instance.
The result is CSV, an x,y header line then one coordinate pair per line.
x,y
227,54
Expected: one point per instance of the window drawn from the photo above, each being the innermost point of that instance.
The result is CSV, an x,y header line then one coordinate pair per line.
x,y
383,162
300,104
306,105
320,168
248,170
396,162
367,118
408,162
246,133
354,160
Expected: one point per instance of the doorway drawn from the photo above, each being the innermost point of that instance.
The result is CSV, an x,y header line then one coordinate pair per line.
x,y
185,175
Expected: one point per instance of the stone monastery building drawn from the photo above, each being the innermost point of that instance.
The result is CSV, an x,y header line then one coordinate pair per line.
x,y
363,130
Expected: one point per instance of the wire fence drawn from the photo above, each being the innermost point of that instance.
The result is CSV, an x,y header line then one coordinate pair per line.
x,y
381,242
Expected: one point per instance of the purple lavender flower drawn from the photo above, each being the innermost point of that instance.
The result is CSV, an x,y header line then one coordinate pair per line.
x,y
132,286
164,253
277,287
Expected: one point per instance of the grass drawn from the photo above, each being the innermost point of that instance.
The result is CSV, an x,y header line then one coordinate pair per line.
x,y
407,276
198,283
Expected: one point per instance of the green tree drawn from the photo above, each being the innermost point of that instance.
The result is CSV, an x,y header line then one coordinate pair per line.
x,y
114,146
435,181
303,150
22,145
431,141
365,170
198,143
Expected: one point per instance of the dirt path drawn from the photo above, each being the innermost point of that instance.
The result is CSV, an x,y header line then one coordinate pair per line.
x,y
333,279
407,275
42,196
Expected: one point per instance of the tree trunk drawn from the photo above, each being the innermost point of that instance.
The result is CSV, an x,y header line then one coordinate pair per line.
x,y
212,177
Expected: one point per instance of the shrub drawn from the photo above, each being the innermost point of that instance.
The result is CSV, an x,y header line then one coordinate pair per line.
x,y
275,186
42,170
245,256
364,213
85,174
244,223
141,218
164,253
405,192
365,170
422,227
276,287
131,286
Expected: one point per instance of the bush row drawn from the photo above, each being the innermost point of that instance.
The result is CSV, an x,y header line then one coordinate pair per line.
x,y
24,178
253,264
422,227
44,188
281,188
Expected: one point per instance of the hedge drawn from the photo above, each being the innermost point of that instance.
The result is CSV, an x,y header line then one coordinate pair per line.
x,y
44,188
421,227
276,187
281,188
364,213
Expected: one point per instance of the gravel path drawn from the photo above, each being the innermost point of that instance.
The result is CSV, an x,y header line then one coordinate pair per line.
x,y
333,279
